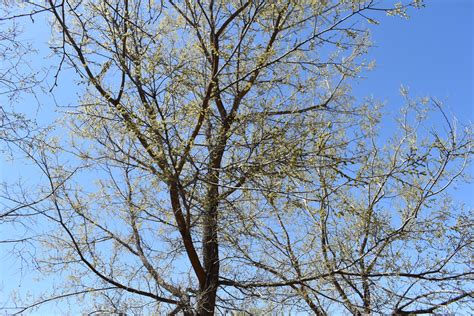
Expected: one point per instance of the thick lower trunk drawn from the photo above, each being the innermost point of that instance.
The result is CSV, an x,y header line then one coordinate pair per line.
x,y
208,291
207,300
210,242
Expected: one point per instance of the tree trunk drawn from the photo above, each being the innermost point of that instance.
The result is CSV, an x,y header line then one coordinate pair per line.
x,y
210,242
207,298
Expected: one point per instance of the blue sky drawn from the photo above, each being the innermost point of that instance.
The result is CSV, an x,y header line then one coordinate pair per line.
x,y
431,53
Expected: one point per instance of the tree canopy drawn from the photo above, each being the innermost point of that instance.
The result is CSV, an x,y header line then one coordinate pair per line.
x,y
216,162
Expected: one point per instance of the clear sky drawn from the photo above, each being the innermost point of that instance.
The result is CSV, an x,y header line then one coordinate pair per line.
x,y
431,53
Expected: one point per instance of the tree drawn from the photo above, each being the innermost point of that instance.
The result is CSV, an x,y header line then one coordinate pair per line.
x,y
217,162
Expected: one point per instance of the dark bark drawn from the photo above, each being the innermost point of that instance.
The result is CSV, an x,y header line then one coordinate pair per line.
x,y
207,299
210,241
